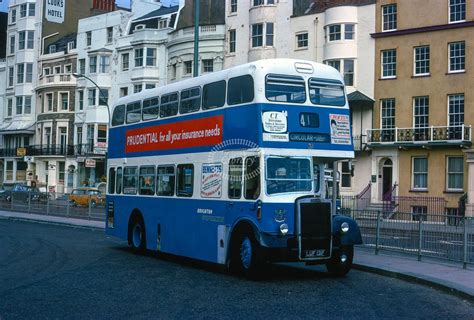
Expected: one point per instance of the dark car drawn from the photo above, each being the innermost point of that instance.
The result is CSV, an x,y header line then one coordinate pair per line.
x,y
22,193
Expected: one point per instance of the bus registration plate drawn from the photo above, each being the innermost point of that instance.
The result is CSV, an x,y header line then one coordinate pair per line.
x,y
314,253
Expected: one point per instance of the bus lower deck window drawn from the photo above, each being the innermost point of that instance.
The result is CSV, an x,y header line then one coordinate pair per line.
x,y
252,178
185,180
118,188
165,181
130,180
112,180
147,181
235,178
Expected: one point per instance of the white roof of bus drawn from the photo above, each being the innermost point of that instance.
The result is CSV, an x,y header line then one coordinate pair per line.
x,y
281,66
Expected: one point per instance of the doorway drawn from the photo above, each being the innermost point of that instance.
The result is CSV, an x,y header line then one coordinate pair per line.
x,y
387,171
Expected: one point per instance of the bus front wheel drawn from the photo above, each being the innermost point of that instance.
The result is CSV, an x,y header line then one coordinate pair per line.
x,y
245,259
137,237
341,261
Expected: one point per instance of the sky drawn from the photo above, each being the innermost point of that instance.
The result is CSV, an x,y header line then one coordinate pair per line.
x,y
122,3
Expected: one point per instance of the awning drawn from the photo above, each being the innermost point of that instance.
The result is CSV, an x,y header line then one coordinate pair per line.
x,y
359,100
15,127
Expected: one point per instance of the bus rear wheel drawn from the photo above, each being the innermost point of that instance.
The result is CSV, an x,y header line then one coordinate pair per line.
x,y
245,258
136,235
341,261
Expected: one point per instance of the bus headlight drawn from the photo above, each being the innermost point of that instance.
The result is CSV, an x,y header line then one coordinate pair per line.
x,y
344,227
283,229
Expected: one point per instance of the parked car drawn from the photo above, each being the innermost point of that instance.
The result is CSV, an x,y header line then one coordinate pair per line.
x,y
22,193
82,196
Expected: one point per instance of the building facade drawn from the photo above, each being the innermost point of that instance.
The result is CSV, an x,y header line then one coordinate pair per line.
x,y
422,119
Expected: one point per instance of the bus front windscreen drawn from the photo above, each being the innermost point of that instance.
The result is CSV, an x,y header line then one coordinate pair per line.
x,y
285,174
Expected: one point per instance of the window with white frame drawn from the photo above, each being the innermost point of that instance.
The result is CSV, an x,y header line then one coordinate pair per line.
x,y
162,23
123,92
457,11
150,57
233,6
302,40
88,38
125,61
110,34
13,16
258,32
269,33
47,71
27,105
52,48
346,175
68,68
20,73
188,67
31,9
103,97
9,107
150,86
421,107
257,35
207,65
420,173
19,105
91,94
454,173
419,212
23,9
455,115
57,69
49,102
345,67
93,64
30,44
389,63
334,32
422,61
139,57
258,2
389,17
63,99
21,40
387,119
349,31
457,56
137,88
80,94
82,66
232,40
29,73
12,44
104,66
11,76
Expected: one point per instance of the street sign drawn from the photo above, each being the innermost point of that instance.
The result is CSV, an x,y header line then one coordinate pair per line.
x,y
55,10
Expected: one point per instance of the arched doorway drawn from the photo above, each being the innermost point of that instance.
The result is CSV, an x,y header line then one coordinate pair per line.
x,y
387,173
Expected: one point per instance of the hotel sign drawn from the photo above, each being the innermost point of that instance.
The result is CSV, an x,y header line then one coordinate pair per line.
x,y
54,10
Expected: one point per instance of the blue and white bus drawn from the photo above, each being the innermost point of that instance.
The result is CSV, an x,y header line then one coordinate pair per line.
x,y
229,167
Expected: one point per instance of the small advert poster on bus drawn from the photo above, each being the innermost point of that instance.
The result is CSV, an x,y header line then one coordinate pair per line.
x,y
211,183
340,129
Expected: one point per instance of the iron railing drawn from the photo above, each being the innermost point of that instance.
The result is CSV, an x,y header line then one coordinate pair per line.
x,y
433,134
55,150
441,236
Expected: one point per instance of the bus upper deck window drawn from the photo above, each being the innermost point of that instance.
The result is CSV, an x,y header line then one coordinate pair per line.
x,y
169,105
326,92
190,100
240,90
151,109
213,95
119,115
252,181
134,112
284,88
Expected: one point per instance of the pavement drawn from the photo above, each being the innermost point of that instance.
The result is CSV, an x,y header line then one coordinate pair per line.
x,y
443,275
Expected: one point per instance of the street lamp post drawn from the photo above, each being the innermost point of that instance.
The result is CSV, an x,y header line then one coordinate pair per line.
x,y
80,75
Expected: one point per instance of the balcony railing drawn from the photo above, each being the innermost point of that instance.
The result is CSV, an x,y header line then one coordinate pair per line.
x,y
360,142
434,135
57,79
55,150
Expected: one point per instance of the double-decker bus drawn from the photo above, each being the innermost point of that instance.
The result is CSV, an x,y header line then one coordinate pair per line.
x,y
229,167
